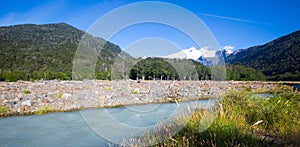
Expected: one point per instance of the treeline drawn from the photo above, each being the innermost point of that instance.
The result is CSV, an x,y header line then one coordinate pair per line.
x,y
169,69
148,69
174,69
287,76
13,76
239,72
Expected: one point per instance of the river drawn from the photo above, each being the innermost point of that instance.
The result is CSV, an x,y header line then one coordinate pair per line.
x,y
76,128
297,86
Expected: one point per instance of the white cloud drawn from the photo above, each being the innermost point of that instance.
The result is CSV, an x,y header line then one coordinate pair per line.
x,y
233,18
228,47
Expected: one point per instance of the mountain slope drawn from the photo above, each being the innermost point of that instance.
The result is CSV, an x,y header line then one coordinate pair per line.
x,y
47,48
278,59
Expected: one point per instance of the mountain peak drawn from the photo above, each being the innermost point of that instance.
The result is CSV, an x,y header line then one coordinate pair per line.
x,y
193,53
191,49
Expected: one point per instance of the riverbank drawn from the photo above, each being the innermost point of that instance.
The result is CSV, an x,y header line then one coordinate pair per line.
x,y
242,121
24,98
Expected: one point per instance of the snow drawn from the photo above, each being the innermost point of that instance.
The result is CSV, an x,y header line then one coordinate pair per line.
x,y
192,53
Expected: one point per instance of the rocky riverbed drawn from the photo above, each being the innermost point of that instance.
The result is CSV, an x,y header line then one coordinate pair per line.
x,y
22,97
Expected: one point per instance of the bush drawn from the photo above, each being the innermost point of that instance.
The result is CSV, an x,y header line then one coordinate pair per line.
x,y
26,91
3,110
44,110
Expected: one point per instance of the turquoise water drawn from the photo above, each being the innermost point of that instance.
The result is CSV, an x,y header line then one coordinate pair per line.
x,y
71,129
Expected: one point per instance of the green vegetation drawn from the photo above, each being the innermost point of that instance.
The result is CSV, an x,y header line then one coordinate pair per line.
x,y
59,96
26,91
153,68
278,59
3,111
107,88
44,110
171,69
31,52
134,92
239,72
246,121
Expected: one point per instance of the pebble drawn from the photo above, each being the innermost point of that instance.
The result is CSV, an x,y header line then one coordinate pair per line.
x,y
66,95
21,110
108,96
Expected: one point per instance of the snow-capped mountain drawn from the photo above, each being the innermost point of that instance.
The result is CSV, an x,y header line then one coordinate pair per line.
x,y
192,53
204,55
228,52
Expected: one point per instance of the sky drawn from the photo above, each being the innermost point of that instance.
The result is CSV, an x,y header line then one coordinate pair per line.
x,y
235,24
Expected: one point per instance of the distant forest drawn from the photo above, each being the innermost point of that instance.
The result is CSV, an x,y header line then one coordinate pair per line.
x,y
146,69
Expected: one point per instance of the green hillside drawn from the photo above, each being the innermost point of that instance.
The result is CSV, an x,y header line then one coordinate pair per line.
x,y
278,59
46,51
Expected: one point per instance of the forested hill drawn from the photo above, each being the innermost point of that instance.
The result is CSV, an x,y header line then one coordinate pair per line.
x,y
278,59
31,52
38,50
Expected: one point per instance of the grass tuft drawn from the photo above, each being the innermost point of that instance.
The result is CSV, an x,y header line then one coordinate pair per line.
x,y
59,96
44,110
3,110
26,91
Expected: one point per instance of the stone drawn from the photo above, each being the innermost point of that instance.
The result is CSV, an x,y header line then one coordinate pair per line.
x,y
66,95
137,90
27,103
31,96
21,110
75,106
16,99
45,100
11,104
108,96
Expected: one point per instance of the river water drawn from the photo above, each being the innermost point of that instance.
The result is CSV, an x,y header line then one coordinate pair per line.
x,y
77,128
297,86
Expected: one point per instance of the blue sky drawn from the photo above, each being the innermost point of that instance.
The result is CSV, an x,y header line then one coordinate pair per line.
x,y
235,23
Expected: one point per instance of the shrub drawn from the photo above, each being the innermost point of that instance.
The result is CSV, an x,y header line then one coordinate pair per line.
x,y
3,110
59,96
26,91
44,110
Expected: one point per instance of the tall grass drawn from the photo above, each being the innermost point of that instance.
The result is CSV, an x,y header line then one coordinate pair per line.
x,y
278,118
245,121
